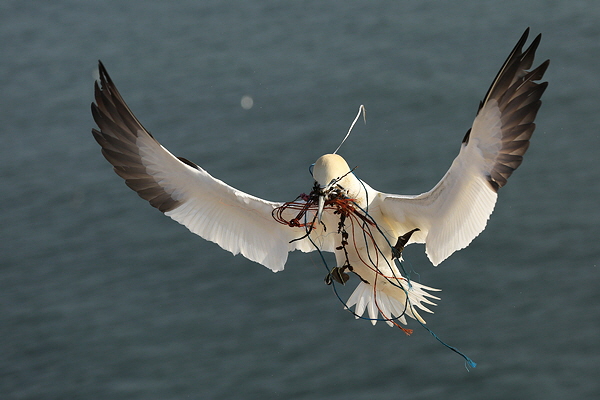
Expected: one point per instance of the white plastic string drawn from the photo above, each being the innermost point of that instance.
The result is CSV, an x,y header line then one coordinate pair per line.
x,y
362,110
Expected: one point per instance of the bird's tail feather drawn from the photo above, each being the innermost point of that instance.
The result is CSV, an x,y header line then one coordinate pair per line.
x,y
392,302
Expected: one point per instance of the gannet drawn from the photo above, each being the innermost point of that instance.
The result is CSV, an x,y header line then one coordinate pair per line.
x,y
365,228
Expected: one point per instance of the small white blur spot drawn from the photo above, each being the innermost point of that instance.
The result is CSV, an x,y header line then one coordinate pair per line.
x,y
247,102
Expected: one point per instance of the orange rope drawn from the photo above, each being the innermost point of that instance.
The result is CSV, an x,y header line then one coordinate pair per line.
x,y
347,210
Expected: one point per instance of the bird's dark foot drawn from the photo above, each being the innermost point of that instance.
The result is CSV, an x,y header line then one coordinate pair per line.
x,y
402,240
337,274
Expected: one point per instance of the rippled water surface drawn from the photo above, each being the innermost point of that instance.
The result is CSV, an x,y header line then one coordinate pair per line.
x,y
102,297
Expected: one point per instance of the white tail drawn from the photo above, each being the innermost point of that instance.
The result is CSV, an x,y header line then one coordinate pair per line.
x,y
392,305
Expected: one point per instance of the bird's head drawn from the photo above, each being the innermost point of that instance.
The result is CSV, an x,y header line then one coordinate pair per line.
x,y
330,169
332,173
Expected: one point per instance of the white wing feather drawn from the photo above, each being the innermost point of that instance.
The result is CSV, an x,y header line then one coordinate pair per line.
x,y
449,216
236,221
456,210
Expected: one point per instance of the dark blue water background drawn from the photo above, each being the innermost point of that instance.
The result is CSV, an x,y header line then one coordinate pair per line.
x,y
102,297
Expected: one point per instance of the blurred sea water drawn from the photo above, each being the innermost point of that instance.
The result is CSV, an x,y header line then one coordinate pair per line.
x,y
102,297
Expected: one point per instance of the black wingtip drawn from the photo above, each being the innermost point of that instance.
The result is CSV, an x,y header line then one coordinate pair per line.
x,y
105,80
522,40
516,56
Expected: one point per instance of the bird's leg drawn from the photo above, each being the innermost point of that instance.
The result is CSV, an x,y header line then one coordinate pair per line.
x,y
337,274
402,240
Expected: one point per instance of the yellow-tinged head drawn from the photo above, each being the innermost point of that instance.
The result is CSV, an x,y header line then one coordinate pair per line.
x,y
332,167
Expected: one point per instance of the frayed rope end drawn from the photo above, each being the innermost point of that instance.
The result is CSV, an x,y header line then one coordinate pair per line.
x,y
468,361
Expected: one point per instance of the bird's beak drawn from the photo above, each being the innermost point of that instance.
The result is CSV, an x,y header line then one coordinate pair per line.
x,y
321,206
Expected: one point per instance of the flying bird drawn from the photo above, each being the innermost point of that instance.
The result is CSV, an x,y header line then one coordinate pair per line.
x,y
366,229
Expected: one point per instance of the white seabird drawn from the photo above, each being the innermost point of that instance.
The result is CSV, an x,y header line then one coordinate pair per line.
x,y
365,228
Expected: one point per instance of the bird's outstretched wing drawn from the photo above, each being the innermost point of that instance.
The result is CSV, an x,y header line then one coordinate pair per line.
x,y
456,210
236,221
